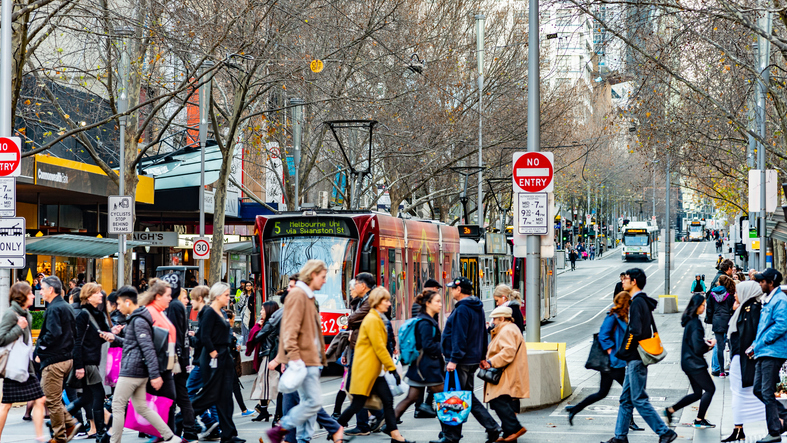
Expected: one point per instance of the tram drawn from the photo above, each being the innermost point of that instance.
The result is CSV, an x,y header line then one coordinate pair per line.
x,y
696,230
640,240
486,260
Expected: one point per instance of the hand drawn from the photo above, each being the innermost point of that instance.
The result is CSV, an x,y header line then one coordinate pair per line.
x,y
736,305
343,361
272,365
38,360
157,383
214,354
396,376
191,333
450,367
80,373
107,336
485,364
117,328
21,322
609,351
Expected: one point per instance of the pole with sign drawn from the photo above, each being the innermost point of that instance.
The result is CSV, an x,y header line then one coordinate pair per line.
x,y
201,249
120,213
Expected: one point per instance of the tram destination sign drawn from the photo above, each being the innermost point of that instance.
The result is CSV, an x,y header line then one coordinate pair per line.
x,y
12,242
306,227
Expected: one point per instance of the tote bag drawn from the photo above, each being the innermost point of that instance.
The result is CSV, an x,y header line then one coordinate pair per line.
x,y
19,361
136,422
598,359
453,405
113,366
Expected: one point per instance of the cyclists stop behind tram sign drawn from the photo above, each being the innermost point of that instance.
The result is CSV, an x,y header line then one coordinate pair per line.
x,y
533,172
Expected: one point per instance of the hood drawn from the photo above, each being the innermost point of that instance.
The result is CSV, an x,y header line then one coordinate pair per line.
x,y
652,303
719,289
276,316
472,302
719,293
143,312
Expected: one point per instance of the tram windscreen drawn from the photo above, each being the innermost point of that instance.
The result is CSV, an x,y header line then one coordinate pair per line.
x,y
695,229
635,239
285,256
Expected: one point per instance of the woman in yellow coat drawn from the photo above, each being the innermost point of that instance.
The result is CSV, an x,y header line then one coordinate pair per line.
x,y
371,356
508,353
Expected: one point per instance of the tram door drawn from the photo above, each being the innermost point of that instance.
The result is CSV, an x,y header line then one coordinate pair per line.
x,y
470,270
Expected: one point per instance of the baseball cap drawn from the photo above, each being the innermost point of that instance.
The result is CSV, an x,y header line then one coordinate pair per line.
x,y
461,282
501,311
769,274
432,283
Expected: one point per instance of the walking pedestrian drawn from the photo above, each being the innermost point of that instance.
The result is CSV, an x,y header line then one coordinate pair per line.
x,y
464,346
698,285
427,371
209,418
301,342
507,353
263,344
17,322
610,336
719,312
245,313
770,351
505,296
572,257
237,368
178,317
692,361
641,326
54,351
746,408
426,411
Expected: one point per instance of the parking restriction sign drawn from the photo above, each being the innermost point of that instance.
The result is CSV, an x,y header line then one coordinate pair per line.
x,y
532,213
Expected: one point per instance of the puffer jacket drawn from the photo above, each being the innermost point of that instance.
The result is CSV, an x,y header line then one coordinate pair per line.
x,y
771,338
264,340
139,353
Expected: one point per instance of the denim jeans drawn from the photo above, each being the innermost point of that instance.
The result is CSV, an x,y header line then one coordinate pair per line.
x,y
634,396
766,377
304,415
193,385
323,419
718,353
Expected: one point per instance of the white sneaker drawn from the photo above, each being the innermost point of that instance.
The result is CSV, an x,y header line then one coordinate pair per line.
x,y
174,439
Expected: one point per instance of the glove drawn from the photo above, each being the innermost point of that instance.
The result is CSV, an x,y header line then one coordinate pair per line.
x,y
396,377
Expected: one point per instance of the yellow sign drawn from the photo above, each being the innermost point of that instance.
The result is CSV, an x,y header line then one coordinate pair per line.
x,y
317,66
755,245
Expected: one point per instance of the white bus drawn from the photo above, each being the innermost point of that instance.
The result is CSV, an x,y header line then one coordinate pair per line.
x,y
640,240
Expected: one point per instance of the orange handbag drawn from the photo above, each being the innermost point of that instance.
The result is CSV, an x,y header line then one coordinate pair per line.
x,y
650,349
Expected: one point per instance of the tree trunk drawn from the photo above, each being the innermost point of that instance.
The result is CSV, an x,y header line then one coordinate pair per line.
x,y
220,204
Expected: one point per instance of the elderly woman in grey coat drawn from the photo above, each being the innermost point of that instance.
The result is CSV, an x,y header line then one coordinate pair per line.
x,y
17,322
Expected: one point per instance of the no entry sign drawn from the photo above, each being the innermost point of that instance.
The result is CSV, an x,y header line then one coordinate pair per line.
x,y
533,172
10,156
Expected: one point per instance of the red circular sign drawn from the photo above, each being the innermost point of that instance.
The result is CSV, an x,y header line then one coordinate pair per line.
x,y
10,156
533,172
201,249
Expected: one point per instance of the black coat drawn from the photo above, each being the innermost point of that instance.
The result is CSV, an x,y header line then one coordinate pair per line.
x,y
719,313
694,347
55,342
176,313
117,318
214,331
87,342
516,314
618,288
740,340
428,368
268,337
139,353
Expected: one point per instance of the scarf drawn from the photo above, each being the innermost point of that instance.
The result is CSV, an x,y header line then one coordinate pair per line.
x,y
746,291
720,293
156,309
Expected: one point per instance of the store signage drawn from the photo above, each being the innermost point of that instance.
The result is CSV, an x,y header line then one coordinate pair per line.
x,y
157,239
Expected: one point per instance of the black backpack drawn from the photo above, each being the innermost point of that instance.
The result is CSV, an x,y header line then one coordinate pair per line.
x,y
160,344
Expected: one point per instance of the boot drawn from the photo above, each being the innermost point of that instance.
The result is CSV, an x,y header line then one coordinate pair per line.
x,y
98,419
263,415
737,434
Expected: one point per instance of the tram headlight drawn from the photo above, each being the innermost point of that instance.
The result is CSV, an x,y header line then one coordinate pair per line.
x,y
342,321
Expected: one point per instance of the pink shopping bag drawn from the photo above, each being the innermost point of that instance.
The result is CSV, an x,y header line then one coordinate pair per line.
x,y
136,422
113,366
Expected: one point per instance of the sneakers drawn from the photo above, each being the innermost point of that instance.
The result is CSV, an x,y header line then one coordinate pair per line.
x,y
770,439
722,374
668,437
715,373
356,431
703,423
668,414
173,439
212,428
247,413
376,424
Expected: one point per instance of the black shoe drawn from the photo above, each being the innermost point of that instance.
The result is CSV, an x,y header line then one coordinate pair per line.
x,y
213,436
336,415
424,411
668,437
617,440
571,414
493,434
233,440
401,441
376,424
737,434
703,423
715,373
634,427
264,415
668,414
190,436
355,432
442,440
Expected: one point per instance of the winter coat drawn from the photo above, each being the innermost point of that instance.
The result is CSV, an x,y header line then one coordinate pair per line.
x,y
87,342
428,367
338,345
771,338
178,316
360,307
611,336
718,313
10,331
464,341
639,327
264,340
618,289
740,340
694,347
301,331
507,350
56,340
371,354
214,331
139,353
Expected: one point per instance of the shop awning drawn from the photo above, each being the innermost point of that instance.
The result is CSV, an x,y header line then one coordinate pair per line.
x,y
777,227
67,245
242,247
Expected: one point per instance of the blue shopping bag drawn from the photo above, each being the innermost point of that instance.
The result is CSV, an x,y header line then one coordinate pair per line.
x,y
453,406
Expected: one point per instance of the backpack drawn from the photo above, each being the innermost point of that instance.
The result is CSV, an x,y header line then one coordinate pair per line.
x,y
407,351
160,343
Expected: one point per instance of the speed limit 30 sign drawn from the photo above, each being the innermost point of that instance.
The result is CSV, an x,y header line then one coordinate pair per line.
x,y
201,248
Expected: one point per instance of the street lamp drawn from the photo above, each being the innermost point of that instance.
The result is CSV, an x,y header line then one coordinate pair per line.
x,y
204,115
297,115
479,33
124,69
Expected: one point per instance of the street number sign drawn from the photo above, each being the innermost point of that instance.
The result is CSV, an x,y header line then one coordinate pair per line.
x,y
121,214
12,242
533,172
10,156
533,213
7,196
201,248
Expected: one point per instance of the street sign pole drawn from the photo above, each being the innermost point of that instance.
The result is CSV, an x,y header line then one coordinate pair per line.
x,y
533,260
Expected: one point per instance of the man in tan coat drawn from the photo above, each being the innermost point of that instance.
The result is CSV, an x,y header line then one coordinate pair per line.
x,y
301,341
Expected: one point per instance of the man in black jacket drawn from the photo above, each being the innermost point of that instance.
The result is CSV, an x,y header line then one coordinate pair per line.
x,y
54,350
619,285
641,326
176,313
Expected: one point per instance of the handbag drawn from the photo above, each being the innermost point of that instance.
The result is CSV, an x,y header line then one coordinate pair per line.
x,y
650,349
292,378
19,361
113,366
136,422
453,405
598,359
490,375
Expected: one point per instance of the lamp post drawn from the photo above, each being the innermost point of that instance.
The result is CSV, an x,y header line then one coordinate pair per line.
x,y
765,22
479,33
124,69
297,115
6,9
533,262
204,115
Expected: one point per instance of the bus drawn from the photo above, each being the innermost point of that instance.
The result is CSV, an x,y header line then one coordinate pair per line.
x,y
696,231
640,240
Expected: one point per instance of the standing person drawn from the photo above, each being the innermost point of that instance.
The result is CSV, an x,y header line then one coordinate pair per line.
x,y
746,408
464,346
199,304
610,336
619,286
138,366
427,371
640,327
90,322
17,322
692,361
177,314
770,351
507,351
592,252
698,285
371,356
216,364
301,341
726,267
428,411
244,307
572,257
54,350
505,296
719,312
264,345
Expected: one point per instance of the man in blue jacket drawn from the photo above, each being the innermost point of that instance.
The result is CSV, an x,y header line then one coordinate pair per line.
x,y
770,351
464,346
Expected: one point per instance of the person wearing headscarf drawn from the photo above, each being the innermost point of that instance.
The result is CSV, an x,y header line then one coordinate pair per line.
x,y
746,408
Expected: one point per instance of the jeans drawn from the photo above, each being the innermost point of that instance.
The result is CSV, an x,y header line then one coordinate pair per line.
x,y
506,408
766,377
304,415
703,387
323,419
52,378
634,396
134,389
193,385
466,375
718,353
616,374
